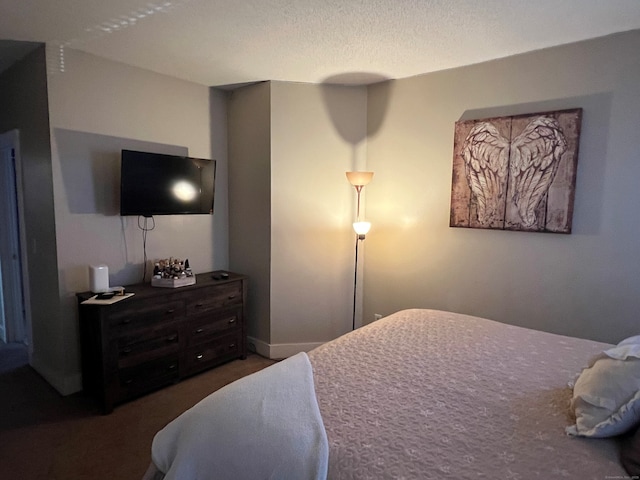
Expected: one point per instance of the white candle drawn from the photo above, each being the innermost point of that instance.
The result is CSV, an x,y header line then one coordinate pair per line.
x,y
99,278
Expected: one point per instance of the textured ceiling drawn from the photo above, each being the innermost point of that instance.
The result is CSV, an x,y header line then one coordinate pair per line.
x,y
221,42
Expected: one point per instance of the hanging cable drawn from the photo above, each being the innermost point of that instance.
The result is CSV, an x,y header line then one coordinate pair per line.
x,y
144,227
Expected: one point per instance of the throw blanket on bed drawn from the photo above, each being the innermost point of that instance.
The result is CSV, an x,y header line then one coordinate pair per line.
x,y
266,426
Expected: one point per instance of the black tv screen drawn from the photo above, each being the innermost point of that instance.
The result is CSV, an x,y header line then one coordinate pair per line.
x,y
159,184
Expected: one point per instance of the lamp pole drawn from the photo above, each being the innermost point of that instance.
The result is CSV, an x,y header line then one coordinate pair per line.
x,y
358,180
355,285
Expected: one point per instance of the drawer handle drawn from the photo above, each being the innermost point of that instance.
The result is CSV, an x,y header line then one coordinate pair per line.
x,y
172,366
170,311
126,350
199,356
232,320
198,331
232,296
172,338
198,305
233,345
125,321
128,381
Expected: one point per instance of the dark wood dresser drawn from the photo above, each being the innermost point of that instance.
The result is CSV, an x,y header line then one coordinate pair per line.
x,y
159,336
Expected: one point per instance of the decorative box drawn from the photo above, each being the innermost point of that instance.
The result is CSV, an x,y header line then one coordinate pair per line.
x,y
173,282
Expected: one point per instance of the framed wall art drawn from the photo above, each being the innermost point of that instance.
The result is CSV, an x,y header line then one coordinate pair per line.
x,y
517,172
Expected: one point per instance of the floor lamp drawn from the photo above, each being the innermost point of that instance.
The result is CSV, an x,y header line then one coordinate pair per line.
x,y
358,180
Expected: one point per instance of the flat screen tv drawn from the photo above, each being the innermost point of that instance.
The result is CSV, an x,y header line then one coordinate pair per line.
x,y
159,184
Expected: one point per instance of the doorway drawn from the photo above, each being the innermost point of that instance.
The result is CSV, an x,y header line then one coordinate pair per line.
x,y
14,319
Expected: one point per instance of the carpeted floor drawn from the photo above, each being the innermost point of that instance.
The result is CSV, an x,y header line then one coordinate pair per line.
x,y
46,436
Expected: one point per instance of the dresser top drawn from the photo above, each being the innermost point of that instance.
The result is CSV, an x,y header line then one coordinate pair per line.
x,y
202,280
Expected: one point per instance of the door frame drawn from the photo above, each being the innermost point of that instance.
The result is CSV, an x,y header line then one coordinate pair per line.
x,y
11,139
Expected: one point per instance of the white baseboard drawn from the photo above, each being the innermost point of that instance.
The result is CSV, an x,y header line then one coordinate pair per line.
x,y
279,350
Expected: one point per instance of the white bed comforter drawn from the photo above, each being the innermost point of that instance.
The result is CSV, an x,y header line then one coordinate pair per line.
x,y
266,426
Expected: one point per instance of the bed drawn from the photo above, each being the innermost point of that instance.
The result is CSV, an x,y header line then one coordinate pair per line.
x,y
420,394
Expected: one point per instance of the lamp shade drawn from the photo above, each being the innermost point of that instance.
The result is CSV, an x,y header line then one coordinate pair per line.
x,y
359,178
362,228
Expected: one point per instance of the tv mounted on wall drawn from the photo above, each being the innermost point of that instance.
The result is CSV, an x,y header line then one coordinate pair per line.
x,y
159,184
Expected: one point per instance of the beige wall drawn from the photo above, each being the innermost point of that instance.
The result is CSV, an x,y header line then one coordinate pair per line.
x,y
250,200
584,284
318,133
98,107
292,207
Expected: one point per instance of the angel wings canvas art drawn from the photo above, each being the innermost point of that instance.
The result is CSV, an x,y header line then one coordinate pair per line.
x,y
516,173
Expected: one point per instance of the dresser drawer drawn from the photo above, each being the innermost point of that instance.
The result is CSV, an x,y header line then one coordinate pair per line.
x,y
144,314
146,345
148,376
217,351
204,328
222,296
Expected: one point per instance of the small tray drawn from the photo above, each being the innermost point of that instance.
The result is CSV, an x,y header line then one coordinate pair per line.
x,y
116,298
173,282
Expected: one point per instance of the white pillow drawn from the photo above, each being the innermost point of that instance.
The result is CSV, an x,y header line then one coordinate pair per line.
x,y
635,340
606,396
